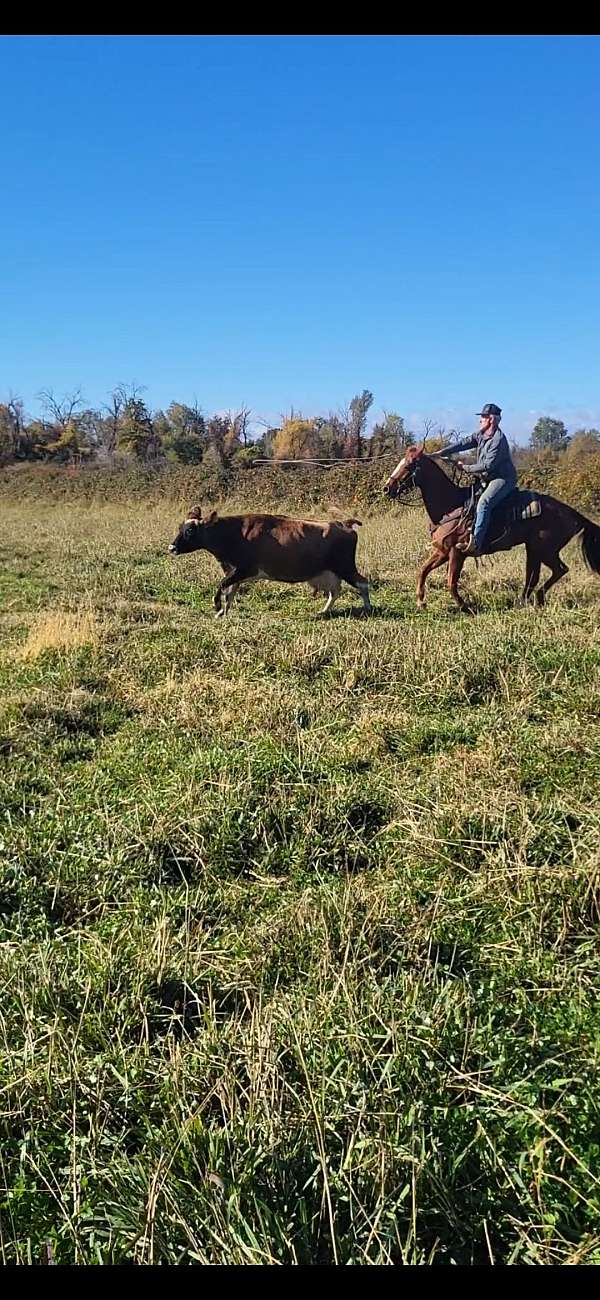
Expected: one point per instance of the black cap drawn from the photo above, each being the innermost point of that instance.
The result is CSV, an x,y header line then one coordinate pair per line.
x,y
490,408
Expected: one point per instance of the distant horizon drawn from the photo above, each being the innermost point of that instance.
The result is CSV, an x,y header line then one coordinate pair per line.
x,y
280,222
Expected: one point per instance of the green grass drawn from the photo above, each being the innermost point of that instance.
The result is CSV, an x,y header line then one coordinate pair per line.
x,y
298,918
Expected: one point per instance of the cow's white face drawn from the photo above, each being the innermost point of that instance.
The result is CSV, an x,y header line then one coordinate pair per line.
x,y
189,537
193,532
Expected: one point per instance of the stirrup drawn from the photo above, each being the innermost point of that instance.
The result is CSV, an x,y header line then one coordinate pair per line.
x,y
468,547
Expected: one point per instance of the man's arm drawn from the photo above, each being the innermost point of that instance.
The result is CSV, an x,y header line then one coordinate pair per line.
x,y
455,447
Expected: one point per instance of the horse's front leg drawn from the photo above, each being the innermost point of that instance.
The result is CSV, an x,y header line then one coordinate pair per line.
x,y
432,562
456,560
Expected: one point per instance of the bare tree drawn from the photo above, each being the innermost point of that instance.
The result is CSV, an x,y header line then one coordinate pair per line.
x,y
243,418
429,429
111,423
238,428
61,411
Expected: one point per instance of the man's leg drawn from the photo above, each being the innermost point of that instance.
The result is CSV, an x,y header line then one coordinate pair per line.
x,y
495,492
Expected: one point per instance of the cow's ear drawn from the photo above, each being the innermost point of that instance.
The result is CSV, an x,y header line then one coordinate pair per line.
x,y
210,519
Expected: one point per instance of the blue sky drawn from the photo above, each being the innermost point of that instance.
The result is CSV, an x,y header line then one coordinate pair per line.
x,y
283,221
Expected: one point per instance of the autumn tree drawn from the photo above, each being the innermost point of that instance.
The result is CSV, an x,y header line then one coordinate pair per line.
x,y
297,439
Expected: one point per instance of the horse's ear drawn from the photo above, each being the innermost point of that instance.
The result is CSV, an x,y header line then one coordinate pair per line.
x,y
421,449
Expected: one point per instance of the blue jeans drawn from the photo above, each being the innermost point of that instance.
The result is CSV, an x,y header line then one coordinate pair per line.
x,y
495,492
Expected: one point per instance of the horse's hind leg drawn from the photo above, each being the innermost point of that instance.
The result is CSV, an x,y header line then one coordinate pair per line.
x,y
557,571
432,562
532,572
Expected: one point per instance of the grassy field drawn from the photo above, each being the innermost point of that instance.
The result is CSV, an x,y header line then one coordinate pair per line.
x,y
298,918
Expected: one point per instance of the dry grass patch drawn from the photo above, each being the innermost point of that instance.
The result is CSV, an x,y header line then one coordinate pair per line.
x,y
61,630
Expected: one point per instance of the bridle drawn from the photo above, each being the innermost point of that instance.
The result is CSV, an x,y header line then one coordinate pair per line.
x,y
401,487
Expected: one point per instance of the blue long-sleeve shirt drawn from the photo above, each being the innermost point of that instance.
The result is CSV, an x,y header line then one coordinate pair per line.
x,y
493,456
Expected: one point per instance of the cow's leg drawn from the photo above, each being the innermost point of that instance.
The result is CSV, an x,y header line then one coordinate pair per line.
x,y
227,570
363,587
228,587
360,584
345,569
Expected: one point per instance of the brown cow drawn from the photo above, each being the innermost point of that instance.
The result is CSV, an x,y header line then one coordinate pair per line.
x,y
275,547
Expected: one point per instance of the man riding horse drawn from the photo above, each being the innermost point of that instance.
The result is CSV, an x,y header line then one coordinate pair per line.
x,y
540,523
494,464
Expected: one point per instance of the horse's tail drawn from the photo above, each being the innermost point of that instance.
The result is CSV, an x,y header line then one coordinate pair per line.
x,y
590,544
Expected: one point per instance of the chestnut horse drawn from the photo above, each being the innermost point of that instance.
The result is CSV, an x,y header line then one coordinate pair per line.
x,y
540,523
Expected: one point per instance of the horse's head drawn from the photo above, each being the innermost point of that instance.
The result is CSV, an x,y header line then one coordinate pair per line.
x,y
404,476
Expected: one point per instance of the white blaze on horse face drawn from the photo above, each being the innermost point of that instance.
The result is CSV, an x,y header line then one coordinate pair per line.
x,y
399,466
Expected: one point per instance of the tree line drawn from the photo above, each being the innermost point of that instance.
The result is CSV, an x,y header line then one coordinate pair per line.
x,y
68,431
